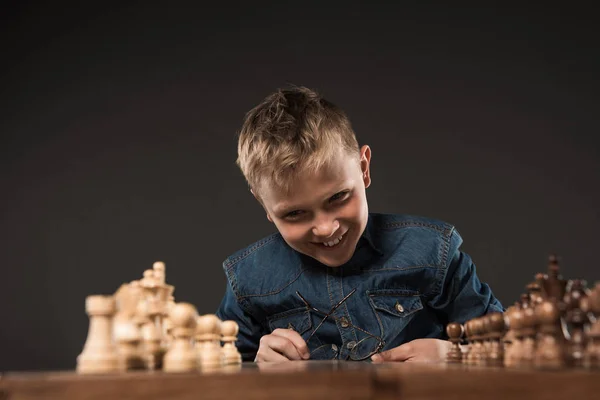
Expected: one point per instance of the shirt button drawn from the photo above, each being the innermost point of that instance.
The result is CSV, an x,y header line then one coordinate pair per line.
x,y
399,307
351,345
344,322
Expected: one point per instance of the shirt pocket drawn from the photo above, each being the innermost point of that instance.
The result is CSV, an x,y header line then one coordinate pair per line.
x,y
297,319
394,309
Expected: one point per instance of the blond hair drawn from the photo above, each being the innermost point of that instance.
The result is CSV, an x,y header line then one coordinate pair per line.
x,y
292,131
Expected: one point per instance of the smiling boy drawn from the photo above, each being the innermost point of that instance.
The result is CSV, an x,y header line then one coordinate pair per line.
x,y
336,281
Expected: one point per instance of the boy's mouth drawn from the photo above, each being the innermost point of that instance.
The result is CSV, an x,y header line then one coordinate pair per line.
x,y
335,242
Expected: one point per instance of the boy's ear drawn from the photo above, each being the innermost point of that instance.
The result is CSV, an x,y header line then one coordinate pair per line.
x,y
365,164
261,203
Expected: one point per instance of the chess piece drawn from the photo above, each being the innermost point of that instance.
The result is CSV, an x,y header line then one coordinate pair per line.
x,y
485,339
466,358
99,353
477,352
455,332
157,300
554,288
128,339
515,322
496,328
127,299
166,334
553,285
231,356
528,333
208,337
534,290
470,334
508,337
551,345
576,320
591,306
153,351
159,272
126,327
181,356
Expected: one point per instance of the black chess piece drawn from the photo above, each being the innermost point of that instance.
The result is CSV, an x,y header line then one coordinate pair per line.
x,y
553,285
497,329
551,345
591,306
576,320
455,332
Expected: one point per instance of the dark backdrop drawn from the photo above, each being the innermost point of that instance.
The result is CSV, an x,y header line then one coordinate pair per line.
x,y
118,146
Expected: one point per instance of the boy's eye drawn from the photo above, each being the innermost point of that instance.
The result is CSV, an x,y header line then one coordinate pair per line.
x,y
293,214
338,196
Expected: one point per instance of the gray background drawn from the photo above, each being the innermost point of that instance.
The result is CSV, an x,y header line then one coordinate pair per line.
x,y
118,145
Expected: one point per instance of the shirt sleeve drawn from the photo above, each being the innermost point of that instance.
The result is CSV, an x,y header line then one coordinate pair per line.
x,y
462,295
250,330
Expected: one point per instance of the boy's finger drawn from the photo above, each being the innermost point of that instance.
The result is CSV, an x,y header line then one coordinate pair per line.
x,y
401,353
266,354
282,345
296,339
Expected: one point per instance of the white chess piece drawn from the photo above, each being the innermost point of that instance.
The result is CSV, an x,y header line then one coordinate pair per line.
x,y
208,337
99,353
181,356
126,326
128,338
152,348
159,272
229,332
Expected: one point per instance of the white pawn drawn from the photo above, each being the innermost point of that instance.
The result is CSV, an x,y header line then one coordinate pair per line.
x,y
229,331
126,326
208,338
99,353
181,356
128,338
153,351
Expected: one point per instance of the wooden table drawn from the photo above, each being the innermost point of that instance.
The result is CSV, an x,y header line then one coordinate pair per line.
x,y
311,380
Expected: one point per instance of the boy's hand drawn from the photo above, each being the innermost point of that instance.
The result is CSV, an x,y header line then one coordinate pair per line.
x,y
420,350
282,345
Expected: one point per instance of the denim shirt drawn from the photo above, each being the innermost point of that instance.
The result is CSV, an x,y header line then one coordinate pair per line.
x,y
410,276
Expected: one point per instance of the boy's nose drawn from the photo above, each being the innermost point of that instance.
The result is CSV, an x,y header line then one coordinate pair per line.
x,y
325,229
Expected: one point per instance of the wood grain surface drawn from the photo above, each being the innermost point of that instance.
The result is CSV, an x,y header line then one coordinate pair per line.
x,y
311,380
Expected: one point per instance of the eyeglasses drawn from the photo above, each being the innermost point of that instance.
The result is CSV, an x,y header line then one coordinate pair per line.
x,y
362,350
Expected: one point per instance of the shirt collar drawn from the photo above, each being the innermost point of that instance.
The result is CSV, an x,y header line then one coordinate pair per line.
x,y
369,234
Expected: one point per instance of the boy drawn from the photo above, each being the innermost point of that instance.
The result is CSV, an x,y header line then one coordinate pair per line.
x,y
338,282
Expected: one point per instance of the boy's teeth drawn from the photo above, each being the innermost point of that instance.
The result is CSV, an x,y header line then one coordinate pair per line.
x,y
333,242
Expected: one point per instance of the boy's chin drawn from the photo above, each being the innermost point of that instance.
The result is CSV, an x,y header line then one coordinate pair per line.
x,y
333,262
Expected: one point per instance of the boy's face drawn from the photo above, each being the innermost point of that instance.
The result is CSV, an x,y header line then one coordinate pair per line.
x,y
324,214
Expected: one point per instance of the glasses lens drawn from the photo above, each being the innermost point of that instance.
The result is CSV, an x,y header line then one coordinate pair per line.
x,y
365,348
324,352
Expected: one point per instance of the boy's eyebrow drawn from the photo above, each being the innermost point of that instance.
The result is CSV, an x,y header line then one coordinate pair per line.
x,y
277,209
283,207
